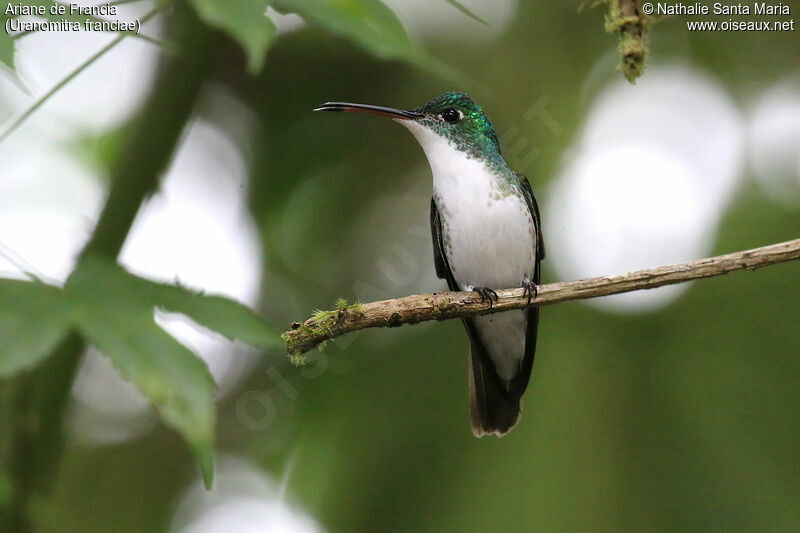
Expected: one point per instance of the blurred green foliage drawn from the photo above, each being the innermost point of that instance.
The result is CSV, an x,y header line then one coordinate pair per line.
x,y
680,419
33,320
367,23
245,22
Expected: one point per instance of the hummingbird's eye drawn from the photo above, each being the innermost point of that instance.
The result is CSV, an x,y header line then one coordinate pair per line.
x,y
451,115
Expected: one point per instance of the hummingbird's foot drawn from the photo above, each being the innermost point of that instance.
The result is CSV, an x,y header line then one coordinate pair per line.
x,y
531,290
486,294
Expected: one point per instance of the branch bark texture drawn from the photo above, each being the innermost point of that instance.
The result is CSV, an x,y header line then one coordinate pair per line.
x,y
327,325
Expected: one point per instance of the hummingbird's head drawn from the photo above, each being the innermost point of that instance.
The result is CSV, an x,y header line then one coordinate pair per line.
x,y
451,119
457,118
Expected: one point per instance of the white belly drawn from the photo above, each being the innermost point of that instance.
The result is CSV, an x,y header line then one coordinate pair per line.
x,y
488,230
490,242
489,239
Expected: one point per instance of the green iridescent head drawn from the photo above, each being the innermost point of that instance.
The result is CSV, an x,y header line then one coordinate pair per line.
x,y
454,116
458,118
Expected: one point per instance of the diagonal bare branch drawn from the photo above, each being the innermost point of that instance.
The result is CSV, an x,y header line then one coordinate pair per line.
x,y
446,305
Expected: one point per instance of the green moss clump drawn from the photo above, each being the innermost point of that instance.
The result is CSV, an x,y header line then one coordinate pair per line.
x,y
633,33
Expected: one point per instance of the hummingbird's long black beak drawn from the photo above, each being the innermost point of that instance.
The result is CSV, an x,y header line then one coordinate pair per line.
x,y
370,110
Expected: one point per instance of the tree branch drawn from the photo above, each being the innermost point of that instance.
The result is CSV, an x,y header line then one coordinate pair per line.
x,y
325,325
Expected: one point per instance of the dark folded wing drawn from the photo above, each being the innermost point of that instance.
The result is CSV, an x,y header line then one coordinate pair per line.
x,y
530,199
439,259
521,380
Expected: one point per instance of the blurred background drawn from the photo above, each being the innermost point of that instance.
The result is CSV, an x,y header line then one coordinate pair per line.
x,y
671,409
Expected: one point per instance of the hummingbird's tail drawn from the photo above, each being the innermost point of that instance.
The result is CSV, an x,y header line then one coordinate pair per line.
x,y
492,410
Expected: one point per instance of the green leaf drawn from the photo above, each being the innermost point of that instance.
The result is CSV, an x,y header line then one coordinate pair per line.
x,y
223,315
114,311
121,324
34,318
369,24
245,21
464,9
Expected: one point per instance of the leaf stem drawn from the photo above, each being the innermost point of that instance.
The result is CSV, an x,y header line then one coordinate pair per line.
x,y
465,10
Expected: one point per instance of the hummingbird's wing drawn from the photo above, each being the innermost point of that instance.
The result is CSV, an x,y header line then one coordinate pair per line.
x,y
530,199
439,259
493,407
521,380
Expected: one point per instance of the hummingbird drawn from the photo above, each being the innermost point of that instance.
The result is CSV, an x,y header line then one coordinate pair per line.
x,y
487,235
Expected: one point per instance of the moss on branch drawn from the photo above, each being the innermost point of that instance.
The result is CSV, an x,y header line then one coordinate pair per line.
x,y
626,20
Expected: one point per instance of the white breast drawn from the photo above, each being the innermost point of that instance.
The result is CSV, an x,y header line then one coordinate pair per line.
x,y
489,239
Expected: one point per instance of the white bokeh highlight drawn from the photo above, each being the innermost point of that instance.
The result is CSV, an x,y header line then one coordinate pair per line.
x,y
774,142
245,500
48,202
49,199
104,94
647,183
284,22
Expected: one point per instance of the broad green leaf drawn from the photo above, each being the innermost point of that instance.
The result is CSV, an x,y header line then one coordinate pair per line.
x,y
34,318
464,9
222,315
369,24
245,21
114,311
122,326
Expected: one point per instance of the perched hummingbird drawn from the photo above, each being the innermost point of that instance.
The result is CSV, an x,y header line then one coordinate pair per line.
x,y
486,234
